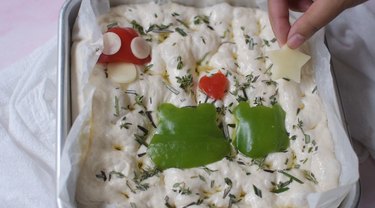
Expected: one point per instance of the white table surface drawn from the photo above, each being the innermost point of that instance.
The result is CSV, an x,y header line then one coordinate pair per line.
x,y
26,25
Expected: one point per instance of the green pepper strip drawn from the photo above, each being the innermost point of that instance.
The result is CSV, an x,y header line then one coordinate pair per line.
x,y
187,137
260,130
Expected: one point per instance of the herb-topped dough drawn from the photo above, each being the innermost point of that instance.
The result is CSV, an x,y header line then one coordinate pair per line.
x,y
187,44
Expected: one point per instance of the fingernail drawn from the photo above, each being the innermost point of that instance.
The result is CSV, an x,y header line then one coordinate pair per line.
x,y
296,40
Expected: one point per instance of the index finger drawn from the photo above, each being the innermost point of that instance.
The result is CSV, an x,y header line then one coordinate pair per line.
x,y
278,11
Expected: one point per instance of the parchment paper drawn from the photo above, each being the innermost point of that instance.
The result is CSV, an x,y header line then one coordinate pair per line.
x,y
87,51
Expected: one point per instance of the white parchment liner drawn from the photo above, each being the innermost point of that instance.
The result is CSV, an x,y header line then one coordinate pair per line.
x,y
85,55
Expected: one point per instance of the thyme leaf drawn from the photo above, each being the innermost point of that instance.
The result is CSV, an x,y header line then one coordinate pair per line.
x,y
257,191
310,176
186,82
230,185
181,31
180,64
138,27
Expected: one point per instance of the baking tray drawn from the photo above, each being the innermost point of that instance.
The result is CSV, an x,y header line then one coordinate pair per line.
x,y
68,14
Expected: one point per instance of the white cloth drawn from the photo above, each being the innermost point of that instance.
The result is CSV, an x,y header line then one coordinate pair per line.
x,y
352,44
28,130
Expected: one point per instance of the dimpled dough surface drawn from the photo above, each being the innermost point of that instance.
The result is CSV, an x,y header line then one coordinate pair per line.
x,y
116,172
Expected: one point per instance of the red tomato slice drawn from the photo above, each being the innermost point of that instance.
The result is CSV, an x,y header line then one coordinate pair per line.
x,y
124,54
214,86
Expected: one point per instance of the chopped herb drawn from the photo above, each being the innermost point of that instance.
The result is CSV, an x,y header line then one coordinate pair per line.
x,y
268,171
182,23
257,191
307,137
201,19
130,92
212,184
155,15
115,173
208,171
142,186
102,175
294,137
141,140
250,42
145,174
143,129
315,89
290,176
141,154
258,101
203,40
174,14
286,161
149,116
186,82
230,185
202,178
233,200
266,42
180,64
133,205
159,28
273,98
286,79
198,202
310,176
139,100
180,31
138,27
181,188
268,70
148,67
298,110
117,107
125,125
112,25
281,186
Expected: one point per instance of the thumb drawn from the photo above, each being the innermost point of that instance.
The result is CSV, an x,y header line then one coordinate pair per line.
x,y
319,14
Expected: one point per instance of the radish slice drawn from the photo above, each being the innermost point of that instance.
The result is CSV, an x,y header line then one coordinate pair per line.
x,y
111,43
140,48
122,72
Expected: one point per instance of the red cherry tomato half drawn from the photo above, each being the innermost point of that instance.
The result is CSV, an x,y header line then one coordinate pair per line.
x,y
125,53
214,86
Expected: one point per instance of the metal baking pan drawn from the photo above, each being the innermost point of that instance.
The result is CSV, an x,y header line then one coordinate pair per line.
x,y
68,14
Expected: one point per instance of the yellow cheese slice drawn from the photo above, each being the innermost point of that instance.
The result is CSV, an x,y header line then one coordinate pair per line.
x,y
287,63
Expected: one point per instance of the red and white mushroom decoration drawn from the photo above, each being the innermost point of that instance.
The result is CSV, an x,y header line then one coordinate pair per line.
x,y
123,49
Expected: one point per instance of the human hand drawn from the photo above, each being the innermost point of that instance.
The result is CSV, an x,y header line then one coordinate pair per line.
x,y
316,15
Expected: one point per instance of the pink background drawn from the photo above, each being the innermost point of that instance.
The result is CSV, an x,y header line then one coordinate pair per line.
x,y
25,25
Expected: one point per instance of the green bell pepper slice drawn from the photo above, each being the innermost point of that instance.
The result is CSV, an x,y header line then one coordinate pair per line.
x,y
260,130
187,137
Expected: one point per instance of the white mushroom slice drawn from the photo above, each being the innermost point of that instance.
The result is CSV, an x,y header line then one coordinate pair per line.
x,y
122,72
140,48
111,43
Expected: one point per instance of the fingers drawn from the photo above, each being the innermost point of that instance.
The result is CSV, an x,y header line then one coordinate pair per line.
x,y
279,16
320,13
300,5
